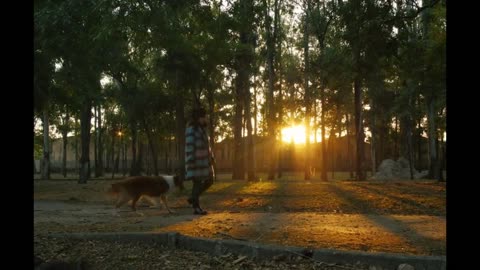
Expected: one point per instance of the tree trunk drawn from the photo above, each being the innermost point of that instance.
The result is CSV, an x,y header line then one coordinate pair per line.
x,y
315,124
238,167
64,161
331,149
270,43
148,160
167,150
255,107
315,131
134,130
46,147
124,158
443,146
255,111
334,139
323,174
307,101
349,154
76,146
113,154
359,127
440,157
381,138
396,138
250,146
180,138
170,158
409,133
243,62
280,156
434,168
307,175
410,148
85,118
373,144
280,95
116,162
151,145
212,120
139,159
419,147
34,166
99,168
403,146
271,118
65,143
95,139
280,145
432,138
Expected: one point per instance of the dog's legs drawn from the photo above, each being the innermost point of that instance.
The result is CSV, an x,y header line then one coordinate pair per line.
x,y
122,199
154,203
164,200
134,202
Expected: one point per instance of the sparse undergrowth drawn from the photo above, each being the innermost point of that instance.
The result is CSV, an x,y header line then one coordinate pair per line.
x,y
117,255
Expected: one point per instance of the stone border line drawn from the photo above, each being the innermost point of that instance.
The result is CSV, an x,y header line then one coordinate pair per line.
x,y
259,251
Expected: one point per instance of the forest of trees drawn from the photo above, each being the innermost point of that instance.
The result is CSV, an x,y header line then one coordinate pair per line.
x,y
136,68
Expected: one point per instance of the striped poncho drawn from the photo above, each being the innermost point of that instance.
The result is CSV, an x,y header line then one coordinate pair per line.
x,y
197,153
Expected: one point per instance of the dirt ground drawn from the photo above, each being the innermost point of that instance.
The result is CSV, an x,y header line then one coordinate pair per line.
x,y
85,254
400,217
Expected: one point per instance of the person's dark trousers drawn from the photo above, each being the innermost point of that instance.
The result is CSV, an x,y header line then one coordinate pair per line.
x,y
199,186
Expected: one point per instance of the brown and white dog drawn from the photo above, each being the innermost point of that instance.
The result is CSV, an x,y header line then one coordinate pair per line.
x,y
133,188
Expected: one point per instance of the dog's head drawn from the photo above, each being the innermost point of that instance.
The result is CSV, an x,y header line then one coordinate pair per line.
x,y
178,182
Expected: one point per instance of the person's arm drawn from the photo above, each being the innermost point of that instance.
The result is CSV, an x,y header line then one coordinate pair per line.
x,y
189,148
212,156
210,150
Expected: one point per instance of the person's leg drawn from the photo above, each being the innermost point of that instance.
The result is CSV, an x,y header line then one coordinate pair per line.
x,y
197,186
203,185
195,192
206,184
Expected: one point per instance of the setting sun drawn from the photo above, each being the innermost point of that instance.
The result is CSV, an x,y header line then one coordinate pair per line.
x,y
296,133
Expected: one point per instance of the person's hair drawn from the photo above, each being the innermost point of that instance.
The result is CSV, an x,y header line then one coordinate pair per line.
x,y
196,114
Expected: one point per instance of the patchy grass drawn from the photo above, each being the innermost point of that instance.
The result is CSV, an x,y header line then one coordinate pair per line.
x,y
401,216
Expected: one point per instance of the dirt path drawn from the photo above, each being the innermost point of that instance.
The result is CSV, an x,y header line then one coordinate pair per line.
x,y
402,217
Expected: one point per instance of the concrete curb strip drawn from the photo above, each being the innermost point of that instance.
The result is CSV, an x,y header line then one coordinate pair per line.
x,y
217,247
